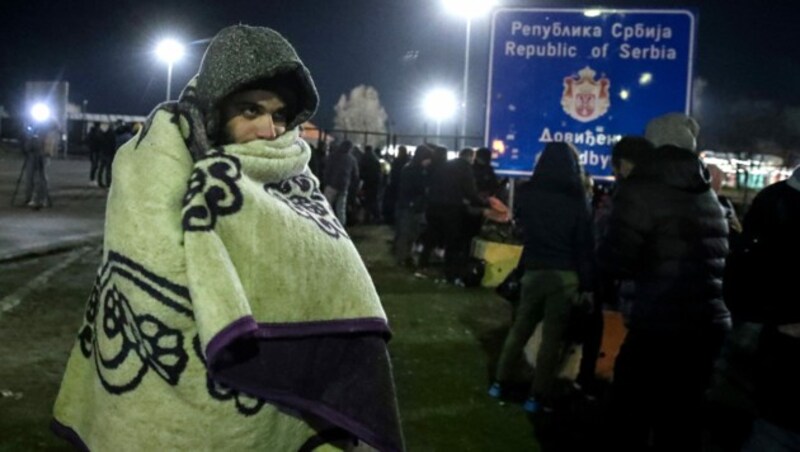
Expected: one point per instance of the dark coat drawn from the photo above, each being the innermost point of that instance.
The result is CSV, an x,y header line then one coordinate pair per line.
x,y
667,232
412,192
454,185
761,286
556,223
370,170
341,170
485,178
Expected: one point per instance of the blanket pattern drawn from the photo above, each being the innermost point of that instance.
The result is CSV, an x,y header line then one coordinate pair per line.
x,y
113,334
212,191
302,194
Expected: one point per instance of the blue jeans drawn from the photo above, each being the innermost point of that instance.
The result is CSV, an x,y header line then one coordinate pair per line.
x,y
338,201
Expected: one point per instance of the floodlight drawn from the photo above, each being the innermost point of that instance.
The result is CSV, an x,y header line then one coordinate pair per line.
x,y
169,51
470,8
440,104
40,112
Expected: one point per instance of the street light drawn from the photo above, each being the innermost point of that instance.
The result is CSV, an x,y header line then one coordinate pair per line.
x,y
40,112
439,104
470,9
169,51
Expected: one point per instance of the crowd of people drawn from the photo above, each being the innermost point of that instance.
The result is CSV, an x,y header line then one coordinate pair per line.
x,y
653,245
103,143
432,203
656,248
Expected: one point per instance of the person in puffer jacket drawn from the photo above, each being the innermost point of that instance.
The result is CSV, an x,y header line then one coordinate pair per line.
x,y
667,233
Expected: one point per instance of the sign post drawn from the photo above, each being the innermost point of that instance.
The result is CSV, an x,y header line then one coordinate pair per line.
x,y
584,76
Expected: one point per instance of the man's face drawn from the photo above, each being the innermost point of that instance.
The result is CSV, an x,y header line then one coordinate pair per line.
x,y
253,115
625,168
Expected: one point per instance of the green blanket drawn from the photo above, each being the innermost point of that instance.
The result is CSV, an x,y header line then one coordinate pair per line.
x,y
231,310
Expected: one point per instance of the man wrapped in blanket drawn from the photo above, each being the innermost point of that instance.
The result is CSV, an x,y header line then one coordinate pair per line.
x,y
231,310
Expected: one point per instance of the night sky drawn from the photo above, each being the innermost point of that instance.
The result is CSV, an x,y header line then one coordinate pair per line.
x,y
746,49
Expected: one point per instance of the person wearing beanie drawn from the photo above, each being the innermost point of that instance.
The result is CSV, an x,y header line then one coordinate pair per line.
x,y
760,287
667,234
675,129
231,310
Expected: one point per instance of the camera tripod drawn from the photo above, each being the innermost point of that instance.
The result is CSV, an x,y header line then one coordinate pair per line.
x,y
37,161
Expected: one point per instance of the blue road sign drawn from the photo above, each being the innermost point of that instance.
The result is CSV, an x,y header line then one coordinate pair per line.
x,y
584,76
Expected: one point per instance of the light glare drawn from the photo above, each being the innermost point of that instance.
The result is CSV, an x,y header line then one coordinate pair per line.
x,y
592,12
169,51
440,104
624,94
40,112
470,8
645,78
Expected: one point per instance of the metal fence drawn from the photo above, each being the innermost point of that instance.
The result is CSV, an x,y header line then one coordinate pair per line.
x,y
317,136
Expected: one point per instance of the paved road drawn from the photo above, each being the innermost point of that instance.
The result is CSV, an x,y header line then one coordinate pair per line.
x,y
76,216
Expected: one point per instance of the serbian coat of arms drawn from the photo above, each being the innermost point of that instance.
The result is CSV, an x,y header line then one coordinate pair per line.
x,y
586,99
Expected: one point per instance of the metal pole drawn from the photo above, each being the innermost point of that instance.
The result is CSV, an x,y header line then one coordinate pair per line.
x,y
25,164
169,80
512,183
466,84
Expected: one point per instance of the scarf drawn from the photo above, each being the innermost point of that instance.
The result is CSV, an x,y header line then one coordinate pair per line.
x,y
231,310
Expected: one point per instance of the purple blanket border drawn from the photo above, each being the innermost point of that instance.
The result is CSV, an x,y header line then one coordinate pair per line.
x,y
69,435
248,327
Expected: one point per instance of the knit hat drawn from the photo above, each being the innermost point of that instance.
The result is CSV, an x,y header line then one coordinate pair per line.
x,y
676,129
243,56
794,181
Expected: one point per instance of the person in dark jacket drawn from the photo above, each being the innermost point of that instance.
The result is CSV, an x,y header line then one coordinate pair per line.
x,y
108,148
451,192
760,287
390,195
95,142
370,171
558,258
609,292
412,199
667,233
341,173
485,179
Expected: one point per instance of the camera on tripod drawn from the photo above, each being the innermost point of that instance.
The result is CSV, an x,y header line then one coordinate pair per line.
x,y
33,167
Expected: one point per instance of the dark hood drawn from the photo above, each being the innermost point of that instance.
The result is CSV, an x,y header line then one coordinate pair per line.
x,y
558,169
676,167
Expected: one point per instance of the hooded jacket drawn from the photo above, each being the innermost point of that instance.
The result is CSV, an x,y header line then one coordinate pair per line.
x,y
555,220
341,168
667,232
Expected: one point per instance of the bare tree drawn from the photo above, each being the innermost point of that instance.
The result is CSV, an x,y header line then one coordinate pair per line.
x,y
361,111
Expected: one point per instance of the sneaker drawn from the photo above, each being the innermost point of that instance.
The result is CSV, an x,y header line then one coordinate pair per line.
x,y
532,406
495,391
